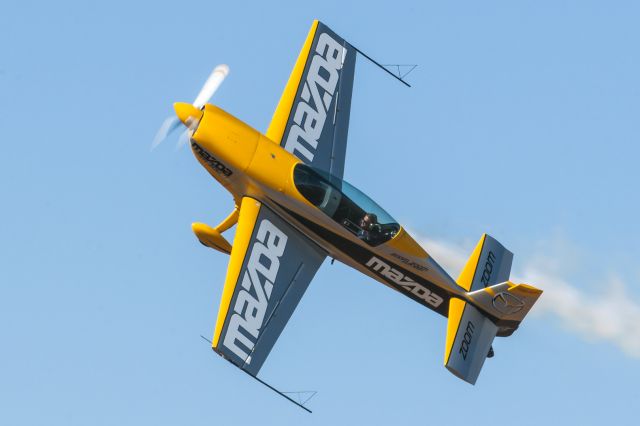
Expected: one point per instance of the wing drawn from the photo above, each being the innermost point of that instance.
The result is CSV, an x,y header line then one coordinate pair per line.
x,y
312,117
270,268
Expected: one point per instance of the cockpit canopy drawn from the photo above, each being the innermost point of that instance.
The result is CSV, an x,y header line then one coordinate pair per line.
x,y
345,204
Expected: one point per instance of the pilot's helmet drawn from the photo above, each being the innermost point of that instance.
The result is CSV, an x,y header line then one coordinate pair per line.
x,y
368,220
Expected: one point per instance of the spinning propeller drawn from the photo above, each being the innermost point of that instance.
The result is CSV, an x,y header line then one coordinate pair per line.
x,y
189,114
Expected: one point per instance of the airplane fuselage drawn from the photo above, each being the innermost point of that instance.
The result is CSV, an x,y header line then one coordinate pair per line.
x,y
248,164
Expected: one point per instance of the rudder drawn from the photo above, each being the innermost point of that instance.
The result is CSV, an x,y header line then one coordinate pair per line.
x,y
489,264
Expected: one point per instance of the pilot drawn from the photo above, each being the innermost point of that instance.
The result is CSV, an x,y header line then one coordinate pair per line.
x,y
370,230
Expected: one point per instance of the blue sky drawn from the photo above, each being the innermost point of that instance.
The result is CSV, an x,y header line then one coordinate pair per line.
x,y
522,122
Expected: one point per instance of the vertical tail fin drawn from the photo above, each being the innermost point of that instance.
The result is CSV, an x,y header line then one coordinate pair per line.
x,y
489,264
494,306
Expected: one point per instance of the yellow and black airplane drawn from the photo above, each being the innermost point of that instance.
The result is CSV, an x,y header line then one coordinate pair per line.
x,y
293,209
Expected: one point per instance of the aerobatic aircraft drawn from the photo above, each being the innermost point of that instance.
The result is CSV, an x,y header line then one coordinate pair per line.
x,y
293,210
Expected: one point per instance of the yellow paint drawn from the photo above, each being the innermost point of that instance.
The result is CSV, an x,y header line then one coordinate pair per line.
x,y
231,220
490,291
221,180
456,309
211,237
187,113
272,166
249,210
403,243
282,112
466,276
229,139
524,290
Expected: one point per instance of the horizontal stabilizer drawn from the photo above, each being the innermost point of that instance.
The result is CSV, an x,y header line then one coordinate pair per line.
x,y
506,301
469,338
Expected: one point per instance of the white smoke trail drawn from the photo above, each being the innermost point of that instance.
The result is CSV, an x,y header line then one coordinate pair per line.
x,y
611,316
